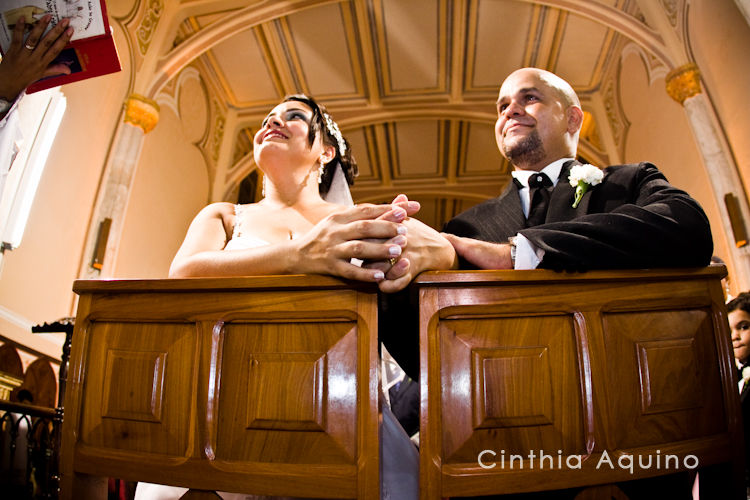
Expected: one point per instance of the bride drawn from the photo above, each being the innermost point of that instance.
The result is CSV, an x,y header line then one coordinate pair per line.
x,y
303,226
294,229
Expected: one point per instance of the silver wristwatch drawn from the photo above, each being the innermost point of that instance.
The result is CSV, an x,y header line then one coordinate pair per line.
x,y
4,106
513,249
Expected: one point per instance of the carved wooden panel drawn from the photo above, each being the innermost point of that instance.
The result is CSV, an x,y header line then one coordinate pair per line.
x,y
664,367
669,379
136,399
294,376
512,387
129,397
510,383
264,386
287,391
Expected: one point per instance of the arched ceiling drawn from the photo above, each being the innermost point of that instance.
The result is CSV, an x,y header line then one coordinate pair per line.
x,y
412,83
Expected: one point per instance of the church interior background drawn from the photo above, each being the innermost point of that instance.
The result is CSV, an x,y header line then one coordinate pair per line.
x,y
412,83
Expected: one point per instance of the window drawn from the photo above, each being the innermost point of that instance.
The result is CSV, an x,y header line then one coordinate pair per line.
x,y
39,117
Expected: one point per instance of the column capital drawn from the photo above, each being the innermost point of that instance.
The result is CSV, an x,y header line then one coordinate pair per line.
x,y
141,112
684,82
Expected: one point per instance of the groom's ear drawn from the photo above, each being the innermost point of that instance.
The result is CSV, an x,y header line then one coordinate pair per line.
x,y
575,119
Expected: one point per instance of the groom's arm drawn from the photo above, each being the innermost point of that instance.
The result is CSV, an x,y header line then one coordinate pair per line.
x,y
640,221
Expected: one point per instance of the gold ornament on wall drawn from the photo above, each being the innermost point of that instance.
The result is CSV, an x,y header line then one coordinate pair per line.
x,y
684,82
141,112
218,132
147,26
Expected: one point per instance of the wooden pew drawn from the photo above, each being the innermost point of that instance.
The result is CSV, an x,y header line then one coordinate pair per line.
x,y
581,368
264,385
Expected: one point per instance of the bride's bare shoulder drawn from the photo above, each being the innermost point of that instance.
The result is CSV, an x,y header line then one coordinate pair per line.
x,y
220,210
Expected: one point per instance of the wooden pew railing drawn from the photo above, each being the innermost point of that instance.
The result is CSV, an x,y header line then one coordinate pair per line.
x,y
261,385
269,385
581,368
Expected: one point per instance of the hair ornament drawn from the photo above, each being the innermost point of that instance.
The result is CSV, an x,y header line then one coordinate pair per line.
x,y
333,129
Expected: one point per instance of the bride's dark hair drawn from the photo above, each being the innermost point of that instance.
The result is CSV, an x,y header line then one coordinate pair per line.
x,y
320,115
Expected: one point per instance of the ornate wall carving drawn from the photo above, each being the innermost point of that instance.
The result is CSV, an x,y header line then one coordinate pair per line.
x,y
147,26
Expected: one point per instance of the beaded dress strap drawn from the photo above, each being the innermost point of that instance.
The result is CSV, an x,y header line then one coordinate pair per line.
x,y
236,230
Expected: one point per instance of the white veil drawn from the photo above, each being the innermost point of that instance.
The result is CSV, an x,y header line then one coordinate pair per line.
x,y
339,191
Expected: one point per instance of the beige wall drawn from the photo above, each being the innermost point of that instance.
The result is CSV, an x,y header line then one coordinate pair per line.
x,y
720,41
169,188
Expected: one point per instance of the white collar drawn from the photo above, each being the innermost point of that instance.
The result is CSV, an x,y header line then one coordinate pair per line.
x,y
552,171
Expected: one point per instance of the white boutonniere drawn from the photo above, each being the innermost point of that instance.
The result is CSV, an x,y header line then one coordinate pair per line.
x,y
745,377
583,177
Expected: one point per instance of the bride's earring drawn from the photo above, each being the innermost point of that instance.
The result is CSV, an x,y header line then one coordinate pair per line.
x,y
263,188
321,170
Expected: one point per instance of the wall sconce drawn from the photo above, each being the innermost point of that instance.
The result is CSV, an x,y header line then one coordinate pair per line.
x,y
100,249
735,219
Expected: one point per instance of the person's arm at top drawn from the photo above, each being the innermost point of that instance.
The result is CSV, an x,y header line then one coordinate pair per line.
x,y
29,61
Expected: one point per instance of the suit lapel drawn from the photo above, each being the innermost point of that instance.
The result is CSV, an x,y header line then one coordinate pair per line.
x,y
510,216
561,201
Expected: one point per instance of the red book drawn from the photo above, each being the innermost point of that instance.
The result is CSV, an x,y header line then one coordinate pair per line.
x,y
91,51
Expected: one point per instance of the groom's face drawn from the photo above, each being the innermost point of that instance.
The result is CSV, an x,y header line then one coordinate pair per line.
x,y
531,121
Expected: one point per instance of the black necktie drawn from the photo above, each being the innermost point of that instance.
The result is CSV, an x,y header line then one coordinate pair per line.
x,y
539,185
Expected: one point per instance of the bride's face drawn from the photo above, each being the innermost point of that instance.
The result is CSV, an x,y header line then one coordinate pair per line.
x,y
284,134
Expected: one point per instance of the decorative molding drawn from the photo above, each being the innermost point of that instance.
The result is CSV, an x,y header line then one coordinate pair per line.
x,y
632,26
15,319
141,112
218,132
617,121
684,82
169,95
672,8
655,68
147,26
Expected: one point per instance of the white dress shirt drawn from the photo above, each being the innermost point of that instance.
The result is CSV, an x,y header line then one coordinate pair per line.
x,y
528,256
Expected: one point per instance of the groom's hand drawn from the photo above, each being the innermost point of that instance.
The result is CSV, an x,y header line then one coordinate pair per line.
x,y
425,250
482,254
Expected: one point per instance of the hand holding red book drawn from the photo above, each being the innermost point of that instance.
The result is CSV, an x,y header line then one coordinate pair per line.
x,y
29,61
89,52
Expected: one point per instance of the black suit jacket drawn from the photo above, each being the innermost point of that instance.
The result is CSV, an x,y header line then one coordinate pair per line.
x,y
633,219
745,403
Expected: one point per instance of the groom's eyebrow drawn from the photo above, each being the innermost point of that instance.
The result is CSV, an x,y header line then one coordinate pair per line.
x,y
522,91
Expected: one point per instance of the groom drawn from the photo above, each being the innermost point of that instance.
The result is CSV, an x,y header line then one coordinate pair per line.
x,y
629,217
632,219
